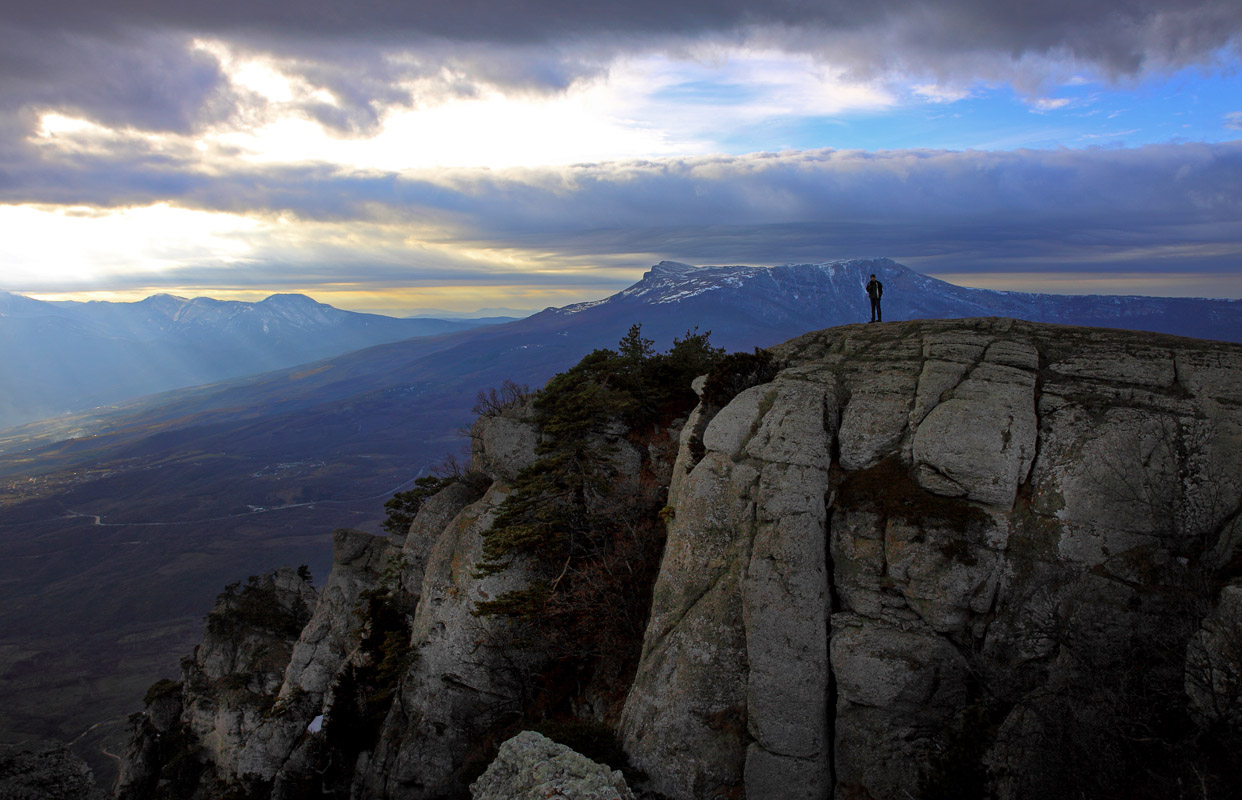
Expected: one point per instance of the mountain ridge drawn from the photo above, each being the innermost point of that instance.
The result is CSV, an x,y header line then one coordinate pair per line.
x,y
912,295
71,355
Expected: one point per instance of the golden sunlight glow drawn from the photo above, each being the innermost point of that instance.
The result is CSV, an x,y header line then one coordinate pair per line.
x,y
406,300
141,293
646,107
57,124
396,302
48,246
79,253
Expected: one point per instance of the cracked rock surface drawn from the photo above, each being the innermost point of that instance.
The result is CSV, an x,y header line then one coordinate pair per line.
x,y
532,767
904,508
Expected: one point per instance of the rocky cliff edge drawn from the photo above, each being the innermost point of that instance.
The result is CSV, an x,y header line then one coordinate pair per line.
x,y
934,535
984,556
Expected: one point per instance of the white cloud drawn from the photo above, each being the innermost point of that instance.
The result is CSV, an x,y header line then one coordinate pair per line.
x,y
1043,105
936,93
65,245
648,106
1233,120
488,130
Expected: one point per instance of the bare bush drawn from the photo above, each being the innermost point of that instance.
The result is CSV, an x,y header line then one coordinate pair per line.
x,y
492,401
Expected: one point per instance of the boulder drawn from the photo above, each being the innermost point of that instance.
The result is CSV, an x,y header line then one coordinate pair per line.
x,y
503,443
532,767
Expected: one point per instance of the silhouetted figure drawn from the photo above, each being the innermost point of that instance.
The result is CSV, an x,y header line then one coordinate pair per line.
x,y
874,290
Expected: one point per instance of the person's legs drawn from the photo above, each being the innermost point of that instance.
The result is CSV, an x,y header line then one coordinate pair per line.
x,y
875,309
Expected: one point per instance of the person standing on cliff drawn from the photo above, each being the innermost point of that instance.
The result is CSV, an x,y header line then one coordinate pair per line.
x,y
874,290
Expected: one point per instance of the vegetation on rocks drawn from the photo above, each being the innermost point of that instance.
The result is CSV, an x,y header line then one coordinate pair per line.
x,y
366,688
254,606
164,687
180,759
491,402
557,513
737,372
403,507
592,536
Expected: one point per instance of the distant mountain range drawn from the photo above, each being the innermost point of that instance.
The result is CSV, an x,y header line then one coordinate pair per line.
x,y
60,357
793,298
119,526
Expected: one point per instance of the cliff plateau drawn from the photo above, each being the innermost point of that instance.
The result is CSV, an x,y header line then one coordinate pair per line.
x,y
973,558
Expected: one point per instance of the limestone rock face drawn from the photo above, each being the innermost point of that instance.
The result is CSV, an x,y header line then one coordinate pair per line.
x,y
269,706
921,527
532,767
205,724
467,676
746,545
462,679
359,560
239,667
435,515
504,443
979,443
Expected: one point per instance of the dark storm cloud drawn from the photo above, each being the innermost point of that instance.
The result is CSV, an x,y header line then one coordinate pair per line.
x,y
970,211
142,79
1112,209
127,62
1027,190
1122,34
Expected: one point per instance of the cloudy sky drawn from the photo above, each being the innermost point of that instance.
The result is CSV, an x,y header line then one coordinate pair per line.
x,y
401,154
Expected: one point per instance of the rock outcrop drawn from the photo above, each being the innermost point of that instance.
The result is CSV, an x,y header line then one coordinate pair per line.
x,y
394,685
197,733
532,767
926,533
967,556
463,680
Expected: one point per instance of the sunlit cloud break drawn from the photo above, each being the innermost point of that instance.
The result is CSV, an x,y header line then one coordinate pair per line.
x,y
556,150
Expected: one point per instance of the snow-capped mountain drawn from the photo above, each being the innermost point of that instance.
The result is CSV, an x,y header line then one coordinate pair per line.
x,y
162,315
794,298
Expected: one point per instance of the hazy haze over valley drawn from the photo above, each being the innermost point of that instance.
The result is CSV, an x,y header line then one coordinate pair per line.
x,y
71,356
